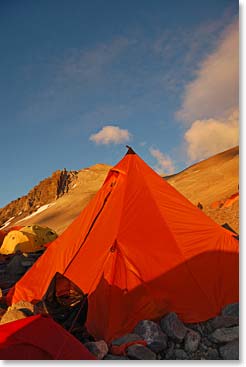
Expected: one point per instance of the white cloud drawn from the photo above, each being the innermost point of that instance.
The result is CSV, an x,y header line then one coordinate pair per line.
x,y
111,134
210,102
211,136
164,163
214,92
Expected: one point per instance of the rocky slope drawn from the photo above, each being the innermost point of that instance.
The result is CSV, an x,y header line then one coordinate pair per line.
x,y
211,180
46,191
57,200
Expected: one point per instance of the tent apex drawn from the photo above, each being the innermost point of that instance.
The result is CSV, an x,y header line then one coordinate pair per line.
x,y
130,150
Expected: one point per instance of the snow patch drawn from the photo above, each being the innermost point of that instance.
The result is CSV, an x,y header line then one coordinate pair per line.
x,y
41,209
7,223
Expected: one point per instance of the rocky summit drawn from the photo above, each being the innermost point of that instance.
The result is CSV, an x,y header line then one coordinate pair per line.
x,y
45,192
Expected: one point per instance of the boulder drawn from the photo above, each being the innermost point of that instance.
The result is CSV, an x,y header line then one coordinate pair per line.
x,y
212,354
231,310
198,327
170,350
173,327
113,357
180,354
22,305
223,321
203,347
127,338
225,335
138,351
15,267
207,342
99,349
230,351
12,315
153,335
191,341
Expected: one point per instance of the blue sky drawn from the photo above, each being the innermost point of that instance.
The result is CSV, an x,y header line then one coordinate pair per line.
x,y
80,79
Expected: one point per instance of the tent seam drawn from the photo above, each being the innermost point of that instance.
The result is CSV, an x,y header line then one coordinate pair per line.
x,y
89,230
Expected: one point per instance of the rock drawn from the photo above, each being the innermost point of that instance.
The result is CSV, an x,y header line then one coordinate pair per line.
x,y
230,351
112,357
223,321
99,348
153,335
170,351
207,342
27,263
225,335
127,339
15,267
192,340
173,327
231,310
199,327
17,311
22,305
138,351
203,347
208,328
180,354
212,354
12,315
198,355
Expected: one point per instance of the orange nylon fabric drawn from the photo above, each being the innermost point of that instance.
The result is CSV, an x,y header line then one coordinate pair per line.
x,y
140,250
231,200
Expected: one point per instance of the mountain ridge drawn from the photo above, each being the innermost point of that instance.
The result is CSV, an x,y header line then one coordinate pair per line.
x,y
58,199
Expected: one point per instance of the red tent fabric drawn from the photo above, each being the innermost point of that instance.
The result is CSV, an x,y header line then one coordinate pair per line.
x,y
140,249
38,337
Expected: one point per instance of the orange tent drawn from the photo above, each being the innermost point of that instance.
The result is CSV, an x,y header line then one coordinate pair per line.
x,y
231,200
140,249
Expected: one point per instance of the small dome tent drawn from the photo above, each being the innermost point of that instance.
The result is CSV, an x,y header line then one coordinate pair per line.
x,y
27,239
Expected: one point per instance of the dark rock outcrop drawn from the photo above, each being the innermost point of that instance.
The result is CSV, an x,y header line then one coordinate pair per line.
x,y
45,192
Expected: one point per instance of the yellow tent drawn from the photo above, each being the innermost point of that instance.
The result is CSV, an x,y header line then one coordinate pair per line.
x,y
28,239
